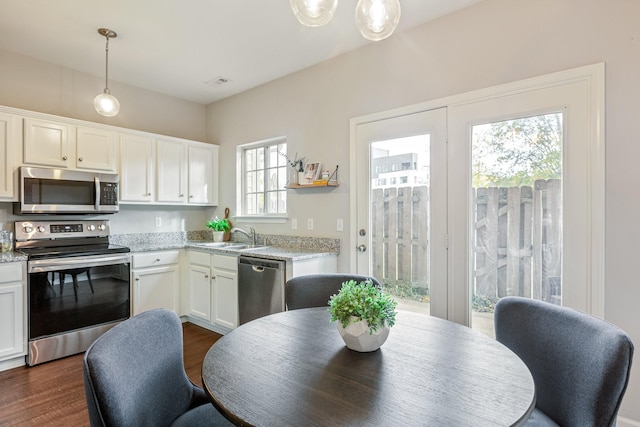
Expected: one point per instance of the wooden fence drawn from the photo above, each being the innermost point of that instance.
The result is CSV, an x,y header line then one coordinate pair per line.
x,y
517,241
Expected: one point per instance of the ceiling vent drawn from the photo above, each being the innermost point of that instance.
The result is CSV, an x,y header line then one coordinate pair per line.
x,y
218,81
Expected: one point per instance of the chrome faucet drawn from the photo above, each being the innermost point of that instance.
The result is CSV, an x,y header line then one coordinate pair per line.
x,y
252,235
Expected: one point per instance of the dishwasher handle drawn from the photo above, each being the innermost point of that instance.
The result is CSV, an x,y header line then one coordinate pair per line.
x,y
260,264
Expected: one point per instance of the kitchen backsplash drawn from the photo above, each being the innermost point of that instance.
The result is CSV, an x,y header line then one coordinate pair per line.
x,y
180,238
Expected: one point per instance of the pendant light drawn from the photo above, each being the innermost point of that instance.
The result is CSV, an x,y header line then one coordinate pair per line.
x,y
105,103
313,13
377,19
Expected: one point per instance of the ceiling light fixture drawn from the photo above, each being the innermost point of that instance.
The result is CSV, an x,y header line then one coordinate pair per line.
x,y
376,19
105,103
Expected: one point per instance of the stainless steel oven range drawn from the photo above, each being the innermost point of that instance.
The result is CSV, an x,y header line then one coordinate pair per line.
x,y
78,285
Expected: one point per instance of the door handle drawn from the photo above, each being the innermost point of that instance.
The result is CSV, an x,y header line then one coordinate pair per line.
x,y
361,248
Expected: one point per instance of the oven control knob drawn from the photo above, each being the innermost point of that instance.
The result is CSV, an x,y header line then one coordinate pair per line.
x,y
91,227
28,229
41,229
101,227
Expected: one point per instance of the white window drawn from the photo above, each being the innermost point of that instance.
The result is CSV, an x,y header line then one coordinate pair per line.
x,y
263,178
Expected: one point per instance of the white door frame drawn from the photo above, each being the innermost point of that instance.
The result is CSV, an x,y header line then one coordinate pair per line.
x,y
593,77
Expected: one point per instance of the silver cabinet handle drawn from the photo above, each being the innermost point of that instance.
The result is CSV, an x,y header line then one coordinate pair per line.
x,y
80,159
64,158
361,248
206,276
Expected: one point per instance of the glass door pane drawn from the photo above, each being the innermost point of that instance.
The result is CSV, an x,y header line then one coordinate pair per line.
x,y
400,219
516,213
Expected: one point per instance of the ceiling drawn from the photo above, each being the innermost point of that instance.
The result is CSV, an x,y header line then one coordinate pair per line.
x,y
180,47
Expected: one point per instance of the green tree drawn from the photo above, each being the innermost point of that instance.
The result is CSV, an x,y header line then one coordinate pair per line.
x,y
517,152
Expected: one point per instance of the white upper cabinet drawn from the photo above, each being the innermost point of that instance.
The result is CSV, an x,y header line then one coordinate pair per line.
x,y
136,168
171,171
203,174
96,149
46,143
10,143
61,145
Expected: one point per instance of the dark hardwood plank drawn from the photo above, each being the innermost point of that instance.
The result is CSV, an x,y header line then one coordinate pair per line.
x,y
52,394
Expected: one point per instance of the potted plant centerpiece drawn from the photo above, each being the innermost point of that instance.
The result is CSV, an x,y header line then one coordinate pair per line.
x,y
364,313
219,227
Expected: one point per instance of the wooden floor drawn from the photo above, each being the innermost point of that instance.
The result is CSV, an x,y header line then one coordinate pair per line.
x,y
52,394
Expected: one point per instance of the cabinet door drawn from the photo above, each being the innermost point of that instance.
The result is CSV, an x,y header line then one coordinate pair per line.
x,y
171,167
225,298
46,143
136,168
12,333
203,174
95,149
155,288
9,141
200,292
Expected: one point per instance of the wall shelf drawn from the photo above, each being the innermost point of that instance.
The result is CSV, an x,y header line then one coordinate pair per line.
x,y
314,185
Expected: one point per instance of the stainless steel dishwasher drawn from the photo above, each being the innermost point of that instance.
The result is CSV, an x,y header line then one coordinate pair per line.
x,y
260,287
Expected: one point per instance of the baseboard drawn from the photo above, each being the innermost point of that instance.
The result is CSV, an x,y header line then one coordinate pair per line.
x,y
12,363
626,422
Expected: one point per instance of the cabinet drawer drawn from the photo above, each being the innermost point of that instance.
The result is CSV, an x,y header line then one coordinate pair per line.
x,y
154,259
200,258
225,261
10,272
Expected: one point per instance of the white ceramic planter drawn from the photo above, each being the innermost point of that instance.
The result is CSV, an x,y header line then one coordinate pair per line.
x,y
218,236
357,337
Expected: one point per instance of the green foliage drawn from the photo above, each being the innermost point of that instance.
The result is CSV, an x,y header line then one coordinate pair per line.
x,y
219,224
518,152
365,301
483,303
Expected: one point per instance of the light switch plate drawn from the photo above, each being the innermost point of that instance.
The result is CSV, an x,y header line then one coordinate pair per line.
x,y
339,225
310,224
158,221
294,224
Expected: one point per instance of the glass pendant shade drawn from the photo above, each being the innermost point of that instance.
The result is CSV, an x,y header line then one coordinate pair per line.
x,y
313,13
377,19
106,104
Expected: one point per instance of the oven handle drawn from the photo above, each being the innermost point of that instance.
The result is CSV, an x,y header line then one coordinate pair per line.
x,y
96,181
59,264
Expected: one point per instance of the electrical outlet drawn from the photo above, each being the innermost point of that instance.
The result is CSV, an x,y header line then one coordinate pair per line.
x,y
310,224
294,224
339,225
158,221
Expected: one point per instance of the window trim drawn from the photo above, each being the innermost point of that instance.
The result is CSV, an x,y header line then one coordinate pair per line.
x,y
240,173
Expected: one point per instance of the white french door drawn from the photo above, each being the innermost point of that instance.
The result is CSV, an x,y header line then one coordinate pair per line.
x,y
401,210
569,264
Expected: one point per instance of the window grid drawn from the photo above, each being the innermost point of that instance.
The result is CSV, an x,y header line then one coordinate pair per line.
x,y
264,180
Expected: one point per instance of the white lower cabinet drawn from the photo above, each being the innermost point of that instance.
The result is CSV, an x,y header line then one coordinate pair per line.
x,y
225,290
155,279
213,290
13,342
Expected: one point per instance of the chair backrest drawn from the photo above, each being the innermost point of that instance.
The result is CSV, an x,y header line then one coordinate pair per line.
x,y
134,374
314,290
580,364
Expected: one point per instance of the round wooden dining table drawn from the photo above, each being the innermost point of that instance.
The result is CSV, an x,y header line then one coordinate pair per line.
x,y
293,369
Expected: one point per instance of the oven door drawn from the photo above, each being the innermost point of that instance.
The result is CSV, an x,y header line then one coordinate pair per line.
x,y
73,300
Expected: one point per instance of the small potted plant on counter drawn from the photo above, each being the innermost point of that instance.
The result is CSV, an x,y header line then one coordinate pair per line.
x,y
364,313
219,227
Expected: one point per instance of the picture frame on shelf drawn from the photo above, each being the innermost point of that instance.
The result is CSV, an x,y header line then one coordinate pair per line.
x,y
311,173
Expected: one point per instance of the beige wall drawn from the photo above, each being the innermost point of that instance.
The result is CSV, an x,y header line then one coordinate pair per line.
x,y
493,42
39,86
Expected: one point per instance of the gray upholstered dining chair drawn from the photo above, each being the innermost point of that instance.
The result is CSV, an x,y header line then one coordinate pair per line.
x,y
134,376
579,363
314,290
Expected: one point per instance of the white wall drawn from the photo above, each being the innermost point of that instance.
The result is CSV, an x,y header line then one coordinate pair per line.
x,y
491,43
39,86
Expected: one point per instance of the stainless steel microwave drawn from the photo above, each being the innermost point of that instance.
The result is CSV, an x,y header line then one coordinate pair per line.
x,y
59,191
